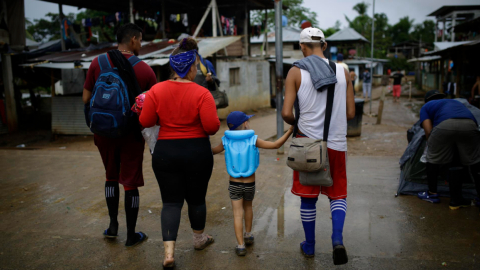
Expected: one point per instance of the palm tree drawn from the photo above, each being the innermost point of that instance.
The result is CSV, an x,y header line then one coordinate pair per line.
x,y
361,8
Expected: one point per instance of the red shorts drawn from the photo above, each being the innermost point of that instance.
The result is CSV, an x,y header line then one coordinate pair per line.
x,y
338,170
397,90
123,159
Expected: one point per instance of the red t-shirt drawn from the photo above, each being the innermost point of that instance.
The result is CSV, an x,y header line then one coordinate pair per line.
x,y
183,111
145,76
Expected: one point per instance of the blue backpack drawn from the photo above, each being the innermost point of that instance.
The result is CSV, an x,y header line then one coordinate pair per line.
x,y
109,111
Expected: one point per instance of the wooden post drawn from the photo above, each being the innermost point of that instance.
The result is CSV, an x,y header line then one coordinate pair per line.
x,y
199,26
164,35
442,74
380,106
214,19
246,30
266,33
410,93
157,72
11,108
130,11
457,79
60,17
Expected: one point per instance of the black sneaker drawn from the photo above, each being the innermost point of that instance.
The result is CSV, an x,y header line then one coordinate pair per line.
x,y
454,205
339,255
240,251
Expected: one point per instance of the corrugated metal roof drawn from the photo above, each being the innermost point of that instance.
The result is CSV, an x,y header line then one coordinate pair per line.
x,y
160,51
88,55
346,34
444,10
443,46
425,59
289,34
68,65
68,117
208,46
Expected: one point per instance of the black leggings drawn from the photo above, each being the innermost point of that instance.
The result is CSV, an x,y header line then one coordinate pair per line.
x,y
182,168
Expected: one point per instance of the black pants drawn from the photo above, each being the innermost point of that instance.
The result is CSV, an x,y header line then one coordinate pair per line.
x,y
456,172
182,168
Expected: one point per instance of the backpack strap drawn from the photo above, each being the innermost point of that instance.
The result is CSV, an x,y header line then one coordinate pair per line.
x,y
134,60
103,62
328,111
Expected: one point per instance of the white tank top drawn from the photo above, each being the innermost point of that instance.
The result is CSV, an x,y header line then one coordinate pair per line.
x,y
312,110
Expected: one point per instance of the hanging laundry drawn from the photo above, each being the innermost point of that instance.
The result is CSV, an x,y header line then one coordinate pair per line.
x,y
65,25
185,19
118,16
173,17
88,22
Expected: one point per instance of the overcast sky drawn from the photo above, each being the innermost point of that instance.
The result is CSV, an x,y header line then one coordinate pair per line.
x,y
328,11
35,9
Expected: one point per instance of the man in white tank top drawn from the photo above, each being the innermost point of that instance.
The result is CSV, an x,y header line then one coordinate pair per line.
x,y
312,103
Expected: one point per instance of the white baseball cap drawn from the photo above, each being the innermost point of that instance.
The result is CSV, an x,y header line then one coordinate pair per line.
x,y
307,34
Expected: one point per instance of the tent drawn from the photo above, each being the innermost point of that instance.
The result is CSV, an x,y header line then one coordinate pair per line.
x,y
413,176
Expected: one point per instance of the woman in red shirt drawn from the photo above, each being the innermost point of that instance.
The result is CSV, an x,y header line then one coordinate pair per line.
x,y
182,159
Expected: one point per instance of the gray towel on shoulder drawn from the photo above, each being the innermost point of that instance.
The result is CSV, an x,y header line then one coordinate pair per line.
x,y
320,71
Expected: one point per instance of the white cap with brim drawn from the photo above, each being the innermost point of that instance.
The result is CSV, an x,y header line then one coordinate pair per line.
x,y
307,34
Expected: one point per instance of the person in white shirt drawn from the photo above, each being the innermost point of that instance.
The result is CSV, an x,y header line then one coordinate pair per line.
x,y
312,106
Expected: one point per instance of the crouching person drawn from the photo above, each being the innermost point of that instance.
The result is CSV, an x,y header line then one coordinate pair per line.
x,y
449,128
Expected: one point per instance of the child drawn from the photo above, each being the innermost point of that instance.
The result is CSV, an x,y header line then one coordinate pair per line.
x,y
242,159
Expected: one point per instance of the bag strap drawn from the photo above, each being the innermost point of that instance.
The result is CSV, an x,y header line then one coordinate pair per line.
x,y
103,62
328,111
134,60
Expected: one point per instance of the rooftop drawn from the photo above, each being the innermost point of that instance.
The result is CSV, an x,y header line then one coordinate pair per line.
x,y
346,35
448,9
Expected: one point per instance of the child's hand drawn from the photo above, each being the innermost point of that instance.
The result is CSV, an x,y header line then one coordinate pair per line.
x,y
290,130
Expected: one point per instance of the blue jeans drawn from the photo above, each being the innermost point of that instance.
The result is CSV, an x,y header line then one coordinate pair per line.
x,y
367,90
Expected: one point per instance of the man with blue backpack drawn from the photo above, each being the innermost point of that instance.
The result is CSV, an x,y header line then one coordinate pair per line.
x,y
113,81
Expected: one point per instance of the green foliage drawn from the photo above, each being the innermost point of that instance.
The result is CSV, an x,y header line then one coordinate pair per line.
x,y
49,29
332,30
295,13
425,32
400,64
400,32
361,8
46,29
362,23
385,35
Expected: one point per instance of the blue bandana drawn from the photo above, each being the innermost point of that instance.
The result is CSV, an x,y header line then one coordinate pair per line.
x,y
182,62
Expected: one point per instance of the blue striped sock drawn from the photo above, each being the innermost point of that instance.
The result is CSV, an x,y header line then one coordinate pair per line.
x,y
338,209
308,213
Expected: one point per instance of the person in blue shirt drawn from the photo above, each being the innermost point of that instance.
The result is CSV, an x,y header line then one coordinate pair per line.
x,y
367,84
450,128
242,159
